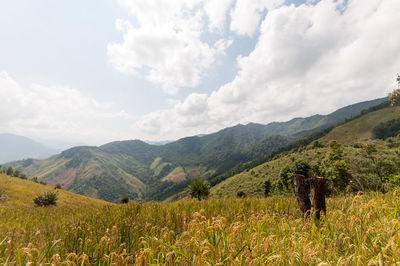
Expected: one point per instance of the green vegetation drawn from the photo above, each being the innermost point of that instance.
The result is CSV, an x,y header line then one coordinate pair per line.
x,y
47,198
362,127
357,230
394,97
124,200
3,195
357,166
199,189
388,129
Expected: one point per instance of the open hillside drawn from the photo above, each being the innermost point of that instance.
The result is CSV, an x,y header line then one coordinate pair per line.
x,y
370,163
20,193
155,172
362,127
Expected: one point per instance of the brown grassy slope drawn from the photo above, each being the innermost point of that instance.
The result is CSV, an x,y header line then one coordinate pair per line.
x,y
362,127
22,192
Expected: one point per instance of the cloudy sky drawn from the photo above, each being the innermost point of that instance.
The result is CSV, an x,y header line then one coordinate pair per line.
x,y
94,71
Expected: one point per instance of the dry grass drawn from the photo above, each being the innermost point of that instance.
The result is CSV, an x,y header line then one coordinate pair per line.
x,y
358,230
22,192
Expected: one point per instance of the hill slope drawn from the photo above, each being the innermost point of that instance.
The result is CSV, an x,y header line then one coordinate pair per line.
x,y
362,127
380,165
14,147
22,192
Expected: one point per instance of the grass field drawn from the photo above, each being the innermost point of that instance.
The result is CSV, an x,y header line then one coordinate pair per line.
x,y
358,230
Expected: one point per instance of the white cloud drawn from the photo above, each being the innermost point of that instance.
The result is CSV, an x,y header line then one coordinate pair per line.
x,y
55,113
167,43
308,59
246,15
216,11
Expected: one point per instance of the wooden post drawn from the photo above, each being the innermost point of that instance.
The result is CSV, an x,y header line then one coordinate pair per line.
x,y
301,193
317,185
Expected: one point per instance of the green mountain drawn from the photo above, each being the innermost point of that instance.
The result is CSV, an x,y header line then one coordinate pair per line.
x,y
13,147
371,163
154,172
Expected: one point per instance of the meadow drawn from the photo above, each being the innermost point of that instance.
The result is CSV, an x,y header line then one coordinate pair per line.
x,y
360,229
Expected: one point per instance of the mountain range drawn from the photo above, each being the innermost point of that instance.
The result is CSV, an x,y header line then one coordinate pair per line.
x,y
139,170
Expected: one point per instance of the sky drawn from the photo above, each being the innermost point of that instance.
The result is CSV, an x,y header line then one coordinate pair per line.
x,y
94,71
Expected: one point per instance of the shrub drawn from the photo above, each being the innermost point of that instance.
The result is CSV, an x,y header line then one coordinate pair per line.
x,y
46,199
241,194
199,189
124,199
3,195
267,187
58,186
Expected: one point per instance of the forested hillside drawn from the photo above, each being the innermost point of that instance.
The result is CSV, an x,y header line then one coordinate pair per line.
x,y
360,161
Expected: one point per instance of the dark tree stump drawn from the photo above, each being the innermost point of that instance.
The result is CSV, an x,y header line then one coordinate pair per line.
x,y
317,185
301,193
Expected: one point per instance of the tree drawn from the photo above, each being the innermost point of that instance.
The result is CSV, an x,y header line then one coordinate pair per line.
x,y
394,96
199,189
10,171
16,173
267,187
334,168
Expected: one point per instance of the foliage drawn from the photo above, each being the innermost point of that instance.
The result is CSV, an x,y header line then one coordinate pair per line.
x,y
199,189
241,194
334,169
46,199
388,129
300,167
16,173
10,171
394,96
58,186
3,195
124,200
267,187
365,171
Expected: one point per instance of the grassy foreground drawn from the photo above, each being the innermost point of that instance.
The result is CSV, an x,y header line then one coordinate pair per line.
x,y
361,229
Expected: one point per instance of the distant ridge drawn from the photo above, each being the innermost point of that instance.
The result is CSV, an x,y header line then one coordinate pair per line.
x,y
13,147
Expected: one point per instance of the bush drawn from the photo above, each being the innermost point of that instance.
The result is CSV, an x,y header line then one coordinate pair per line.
x,y
46,199
58,186
267,187
199,189
3,195
388,129
124,199
241,194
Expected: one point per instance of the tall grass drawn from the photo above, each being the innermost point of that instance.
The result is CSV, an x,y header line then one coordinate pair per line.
x,y
361,229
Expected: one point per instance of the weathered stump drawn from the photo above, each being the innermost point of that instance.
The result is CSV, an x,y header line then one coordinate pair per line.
x,y
301,193
317,185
